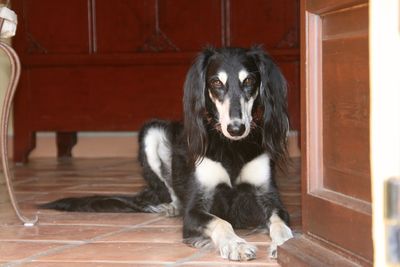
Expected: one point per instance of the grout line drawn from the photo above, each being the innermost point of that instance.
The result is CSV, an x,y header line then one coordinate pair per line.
x,y
99,237
196,255
84,242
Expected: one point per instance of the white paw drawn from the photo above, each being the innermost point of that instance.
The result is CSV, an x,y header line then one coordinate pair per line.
x,y
237,249
279,233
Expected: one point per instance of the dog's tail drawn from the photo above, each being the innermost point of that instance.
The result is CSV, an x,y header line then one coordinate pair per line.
x,y
142,202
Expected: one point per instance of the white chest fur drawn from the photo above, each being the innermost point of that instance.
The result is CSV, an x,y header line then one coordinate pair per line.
x,y
256,172
211,173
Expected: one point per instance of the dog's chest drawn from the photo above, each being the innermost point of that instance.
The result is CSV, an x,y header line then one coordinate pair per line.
x,y
257,172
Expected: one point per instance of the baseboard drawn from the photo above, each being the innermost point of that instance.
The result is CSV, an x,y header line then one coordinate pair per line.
x,y
110,144
90,145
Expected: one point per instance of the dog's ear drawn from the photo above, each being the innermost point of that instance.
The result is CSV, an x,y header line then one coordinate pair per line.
x,y
194,106
273,96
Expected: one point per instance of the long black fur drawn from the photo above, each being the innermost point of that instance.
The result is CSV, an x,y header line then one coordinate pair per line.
x,y
199,137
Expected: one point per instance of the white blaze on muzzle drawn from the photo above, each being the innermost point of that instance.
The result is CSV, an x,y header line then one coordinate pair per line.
x,y
225,119
235,110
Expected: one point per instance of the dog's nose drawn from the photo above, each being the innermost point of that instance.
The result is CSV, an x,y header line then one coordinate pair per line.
x,y
236,129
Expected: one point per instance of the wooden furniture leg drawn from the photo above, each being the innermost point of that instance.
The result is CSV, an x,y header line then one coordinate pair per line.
x,y
65,142
24,143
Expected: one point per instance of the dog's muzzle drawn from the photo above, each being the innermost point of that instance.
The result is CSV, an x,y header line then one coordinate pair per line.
x,y
236,129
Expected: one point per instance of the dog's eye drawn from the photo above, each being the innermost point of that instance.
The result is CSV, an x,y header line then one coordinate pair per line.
x,y
248,82
216,84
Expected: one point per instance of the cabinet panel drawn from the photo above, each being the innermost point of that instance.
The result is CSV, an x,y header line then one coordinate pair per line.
x,y
123,25
157,25
106,98
99,65
275,24
53,27
191,25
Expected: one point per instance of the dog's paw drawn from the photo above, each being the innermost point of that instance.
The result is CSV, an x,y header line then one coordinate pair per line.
x,y
169,209
237,250
279,233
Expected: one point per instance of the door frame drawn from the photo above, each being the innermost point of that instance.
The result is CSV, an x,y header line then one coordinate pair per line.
x,y
385,113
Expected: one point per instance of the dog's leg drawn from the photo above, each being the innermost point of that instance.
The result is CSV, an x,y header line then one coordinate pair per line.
x,y
258,173
230,245
200,225
279,232
157,160
277,220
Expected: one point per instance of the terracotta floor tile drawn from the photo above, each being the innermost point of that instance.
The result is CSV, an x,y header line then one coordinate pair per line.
x,y
259,237
89,264
8,218
168,222
123,252
20,250
3,194
229,264
100,219
147,235
60,233
213,257
107,239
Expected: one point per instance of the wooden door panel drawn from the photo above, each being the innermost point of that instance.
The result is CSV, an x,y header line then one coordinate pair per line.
x,y
346,23
335,97
52,28
346,115
339,227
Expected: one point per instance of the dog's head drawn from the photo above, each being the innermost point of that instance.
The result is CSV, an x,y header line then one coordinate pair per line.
x,y
235,90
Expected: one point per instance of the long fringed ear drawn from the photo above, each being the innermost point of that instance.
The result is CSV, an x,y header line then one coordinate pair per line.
x,y
194,107
273,96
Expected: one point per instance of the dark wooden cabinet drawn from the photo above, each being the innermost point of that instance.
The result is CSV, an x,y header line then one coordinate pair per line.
x,y
98,65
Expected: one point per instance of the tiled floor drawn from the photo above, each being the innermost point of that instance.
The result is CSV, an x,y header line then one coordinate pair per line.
x,y
88,239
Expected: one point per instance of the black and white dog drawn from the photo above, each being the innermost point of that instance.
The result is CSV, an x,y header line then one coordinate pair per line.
x,y
217,168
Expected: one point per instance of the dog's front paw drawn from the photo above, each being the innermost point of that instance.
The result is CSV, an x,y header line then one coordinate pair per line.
x,y
237,250
279,233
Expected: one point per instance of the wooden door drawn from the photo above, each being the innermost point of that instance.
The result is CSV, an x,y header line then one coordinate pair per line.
x,y
99,65
335,124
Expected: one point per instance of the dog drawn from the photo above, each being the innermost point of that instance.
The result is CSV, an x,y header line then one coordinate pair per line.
x,y
217,168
